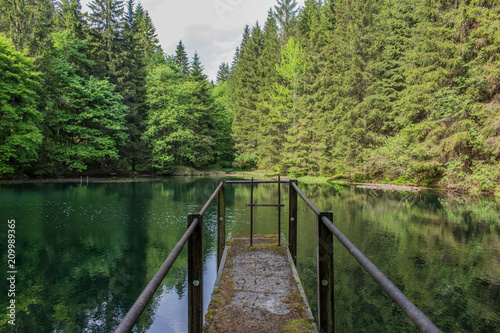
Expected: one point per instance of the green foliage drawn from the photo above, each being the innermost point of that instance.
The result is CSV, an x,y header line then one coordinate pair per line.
x,y
27,23
223,73
85,116
106,25
181,58
223,117
20,135
400,90
180,121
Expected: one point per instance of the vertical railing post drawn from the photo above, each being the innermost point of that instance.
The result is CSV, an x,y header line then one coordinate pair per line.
x,y
221,222
292,222
195,275
251,213
325,275
279,210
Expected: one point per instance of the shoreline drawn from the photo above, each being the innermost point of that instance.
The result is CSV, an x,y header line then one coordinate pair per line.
x,y
117,178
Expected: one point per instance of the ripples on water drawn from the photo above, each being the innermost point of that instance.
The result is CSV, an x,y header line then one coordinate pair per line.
x,y
86,252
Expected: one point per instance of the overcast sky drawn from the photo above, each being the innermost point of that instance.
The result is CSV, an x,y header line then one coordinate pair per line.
x,y
211,27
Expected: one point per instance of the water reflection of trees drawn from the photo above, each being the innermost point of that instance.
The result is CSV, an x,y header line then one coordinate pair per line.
x,y
88,251
442,251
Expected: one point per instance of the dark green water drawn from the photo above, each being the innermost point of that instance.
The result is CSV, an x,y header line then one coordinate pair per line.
x,y
84,253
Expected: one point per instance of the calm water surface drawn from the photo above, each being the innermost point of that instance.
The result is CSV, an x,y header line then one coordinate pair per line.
x,y
85,252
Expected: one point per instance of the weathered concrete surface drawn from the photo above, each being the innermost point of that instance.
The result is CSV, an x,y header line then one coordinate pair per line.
x,y
257,291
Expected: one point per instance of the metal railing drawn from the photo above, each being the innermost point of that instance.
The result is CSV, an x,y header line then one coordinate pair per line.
x,y
325,232
194,237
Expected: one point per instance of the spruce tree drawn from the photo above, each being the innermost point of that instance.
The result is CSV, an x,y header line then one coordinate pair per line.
x,y
223,73
27,23
69,17
245,89
304,146
181,59
196,72
106,29
132,86
286,15
150,44
270,146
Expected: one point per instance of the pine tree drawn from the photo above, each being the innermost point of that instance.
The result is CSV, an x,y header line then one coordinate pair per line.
x,y
196,72
203,106
148,37
132,86
244,90
223,73
270,146
106,29
181,59
69,17
27,23
305,146
286,15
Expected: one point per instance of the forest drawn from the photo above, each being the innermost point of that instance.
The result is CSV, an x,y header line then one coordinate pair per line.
x,y
395,91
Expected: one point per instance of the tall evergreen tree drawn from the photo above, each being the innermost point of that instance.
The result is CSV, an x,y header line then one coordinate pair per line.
x,y
150,44
203,106
27,23
132,86
106,28
223,73
303,146
196,72
69,17
181,59
270,145
286,15
245,90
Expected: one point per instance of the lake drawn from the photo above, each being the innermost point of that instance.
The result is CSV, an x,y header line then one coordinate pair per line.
x,y
84,252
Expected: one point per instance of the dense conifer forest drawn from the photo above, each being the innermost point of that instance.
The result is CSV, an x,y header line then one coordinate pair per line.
x,y
404,91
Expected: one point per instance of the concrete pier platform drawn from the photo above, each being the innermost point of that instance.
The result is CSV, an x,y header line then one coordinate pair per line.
x,y
258,290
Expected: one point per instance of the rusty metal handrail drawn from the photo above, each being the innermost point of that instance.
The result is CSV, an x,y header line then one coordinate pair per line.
x,y
257,181
142,301
410,310
306,199
326,230
324,242
132,316
212,197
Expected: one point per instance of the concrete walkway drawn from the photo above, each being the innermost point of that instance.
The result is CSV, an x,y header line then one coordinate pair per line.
x,y
258,291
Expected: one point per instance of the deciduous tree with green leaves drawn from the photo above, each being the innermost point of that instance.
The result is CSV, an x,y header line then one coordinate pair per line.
x,y
85,117
20,135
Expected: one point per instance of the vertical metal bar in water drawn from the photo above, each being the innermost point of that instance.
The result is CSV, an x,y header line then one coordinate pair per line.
x,y
195,275
279,210
325,275
292,222
251,213
221,222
